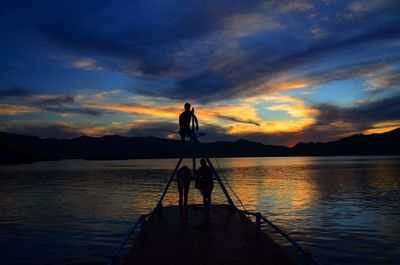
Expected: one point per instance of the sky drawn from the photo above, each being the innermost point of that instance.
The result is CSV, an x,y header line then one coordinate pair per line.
x,y
276,72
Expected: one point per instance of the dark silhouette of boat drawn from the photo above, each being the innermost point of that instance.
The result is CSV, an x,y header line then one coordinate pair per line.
x,y
227,235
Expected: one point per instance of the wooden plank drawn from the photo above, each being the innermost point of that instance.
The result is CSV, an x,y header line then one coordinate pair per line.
x,y
225,237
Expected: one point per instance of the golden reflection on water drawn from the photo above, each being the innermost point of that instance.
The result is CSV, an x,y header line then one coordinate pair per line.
x,y
263,184
384,176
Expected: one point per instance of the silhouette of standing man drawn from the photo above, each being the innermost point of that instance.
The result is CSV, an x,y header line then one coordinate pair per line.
x,y
206,184
184,123
183,179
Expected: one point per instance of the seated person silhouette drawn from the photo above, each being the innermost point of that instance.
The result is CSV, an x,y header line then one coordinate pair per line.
x,y
183,177
184,123
206,184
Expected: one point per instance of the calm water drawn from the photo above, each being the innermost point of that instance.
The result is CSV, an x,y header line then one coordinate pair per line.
x,y
346,210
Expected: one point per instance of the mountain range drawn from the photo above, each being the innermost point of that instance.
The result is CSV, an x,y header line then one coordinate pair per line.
x,y
16,148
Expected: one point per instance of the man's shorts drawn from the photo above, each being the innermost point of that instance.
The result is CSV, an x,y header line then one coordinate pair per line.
x,y
185,132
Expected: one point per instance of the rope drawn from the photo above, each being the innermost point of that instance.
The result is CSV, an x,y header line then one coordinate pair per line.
x,y
229,186
223,176
286,236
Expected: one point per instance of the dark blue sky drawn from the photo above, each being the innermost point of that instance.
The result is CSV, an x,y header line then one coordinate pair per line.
x,y
272,71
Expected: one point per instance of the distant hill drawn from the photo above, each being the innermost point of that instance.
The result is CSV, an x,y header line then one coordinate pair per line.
x,y
10,154
119,147
20,148
387,143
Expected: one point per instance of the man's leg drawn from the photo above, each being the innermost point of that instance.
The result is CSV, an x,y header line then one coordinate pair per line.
x,y
209,191
207,204
204,198
209,195
209,201
186,192
180,191
182,141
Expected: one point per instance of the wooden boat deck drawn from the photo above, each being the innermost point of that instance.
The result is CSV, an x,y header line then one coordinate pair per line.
x,y
225,237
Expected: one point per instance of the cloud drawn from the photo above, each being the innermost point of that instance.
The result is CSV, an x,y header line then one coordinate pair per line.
x,y
362,117
57,129
9,109
331,122
65,111
49,130
236,119
238,113
384,82
250,123
362,114
162,112
294,106
15,91
147,36
356,9
242,25
319,32
249,75
166,109
116,102
17,101
54,99
236,58
86,64
206,51
170,130
140,128
156,129
381,127
295,5
322,122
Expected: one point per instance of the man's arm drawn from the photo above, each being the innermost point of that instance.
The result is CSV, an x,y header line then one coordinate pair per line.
x,y
180,121
196,122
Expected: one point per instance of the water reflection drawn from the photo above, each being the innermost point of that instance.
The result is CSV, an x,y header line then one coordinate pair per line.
x,y
345,210
340,203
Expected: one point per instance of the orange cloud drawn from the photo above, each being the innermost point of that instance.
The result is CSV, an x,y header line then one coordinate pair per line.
x,y
303,116
168,112
7,109
283,126
94,131
292,85
234,113
382,127
282,82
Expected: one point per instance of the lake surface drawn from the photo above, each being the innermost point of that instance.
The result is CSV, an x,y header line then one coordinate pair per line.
x,y
346,210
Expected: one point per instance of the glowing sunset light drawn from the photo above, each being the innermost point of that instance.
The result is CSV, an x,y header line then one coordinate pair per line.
x,y
272,71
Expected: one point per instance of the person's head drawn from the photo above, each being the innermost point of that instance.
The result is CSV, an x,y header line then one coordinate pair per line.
x,y
203,162
184,171
187,106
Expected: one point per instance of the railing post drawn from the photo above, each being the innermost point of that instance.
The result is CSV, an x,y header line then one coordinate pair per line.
x,y
258,221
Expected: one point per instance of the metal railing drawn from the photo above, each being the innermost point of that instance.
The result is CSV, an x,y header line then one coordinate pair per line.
x,y
259,218
139,225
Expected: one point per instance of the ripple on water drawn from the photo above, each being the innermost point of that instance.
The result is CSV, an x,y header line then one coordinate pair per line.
x,y
345,210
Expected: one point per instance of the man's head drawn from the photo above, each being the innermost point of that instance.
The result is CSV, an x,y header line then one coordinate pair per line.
x,y
203,162
185,169
187,106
